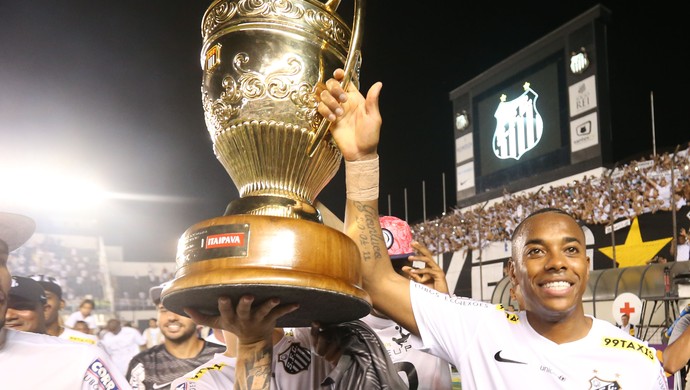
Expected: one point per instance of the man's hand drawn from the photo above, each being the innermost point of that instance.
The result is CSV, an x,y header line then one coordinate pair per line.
x,y
431,275
249,324
356,120
325,343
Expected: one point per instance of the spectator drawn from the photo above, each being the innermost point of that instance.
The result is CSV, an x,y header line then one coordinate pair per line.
x,y
85,313
681,250
153,334
626,326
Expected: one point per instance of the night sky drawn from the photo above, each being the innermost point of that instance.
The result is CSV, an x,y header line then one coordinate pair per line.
x,y
112,90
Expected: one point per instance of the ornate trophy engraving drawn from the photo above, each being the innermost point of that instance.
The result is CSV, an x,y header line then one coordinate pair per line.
x,y
262,62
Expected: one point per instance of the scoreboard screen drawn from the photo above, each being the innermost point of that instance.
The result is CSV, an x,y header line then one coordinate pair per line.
x,y
521,125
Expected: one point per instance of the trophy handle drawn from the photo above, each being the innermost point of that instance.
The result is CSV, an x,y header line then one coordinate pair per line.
x,y
353,54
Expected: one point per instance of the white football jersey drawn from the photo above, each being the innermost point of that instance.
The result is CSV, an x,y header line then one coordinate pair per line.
x,y
496,349
39,361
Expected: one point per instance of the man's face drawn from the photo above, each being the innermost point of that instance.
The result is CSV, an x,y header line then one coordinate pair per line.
x,y
113,326
550,265
175,328
53,306
5,281
86,309
81,326
25,315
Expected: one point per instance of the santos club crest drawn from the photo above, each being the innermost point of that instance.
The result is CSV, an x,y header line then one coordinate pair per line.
x,y
519,125
295,358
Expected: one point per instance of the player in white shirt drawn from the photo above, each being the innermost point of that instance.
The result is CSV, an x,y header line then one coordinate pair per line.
x,y
552,344
294,365
37,361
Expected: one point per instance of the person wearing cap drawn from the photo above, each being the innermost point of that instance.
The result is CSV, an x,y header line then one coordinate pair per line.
x,y
182,350
36,361
419,369
552,344
55,303
26,306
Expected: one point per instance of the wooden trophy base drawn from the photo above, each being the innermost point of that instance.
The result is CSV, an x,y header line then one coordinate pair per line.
x,y
295,260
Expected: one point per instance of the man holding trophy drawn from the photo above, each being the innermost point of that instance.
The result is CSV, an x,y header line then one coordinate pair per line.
x,y
262,61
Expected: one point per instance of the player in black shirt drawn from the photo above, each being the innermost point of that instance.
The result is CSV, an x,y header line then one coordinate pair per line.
x,y
182,351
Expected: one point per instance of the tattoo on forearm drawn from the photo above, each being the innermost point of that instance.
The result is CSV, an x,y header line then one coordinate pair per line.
x,y
255,372
370,238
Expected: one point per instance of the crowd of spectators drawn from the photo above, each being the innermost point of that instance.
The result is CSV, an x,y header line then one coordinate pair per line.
x,y
79,272
77,269
638,187
132,292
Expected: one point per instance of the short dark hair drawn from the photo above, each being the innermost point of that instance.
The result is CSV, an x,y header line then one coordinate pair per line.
x,y
537,212
90,301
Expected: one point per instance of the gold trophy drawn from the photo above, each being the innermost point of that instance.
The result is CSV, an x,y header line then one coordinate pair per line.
x,y
262,62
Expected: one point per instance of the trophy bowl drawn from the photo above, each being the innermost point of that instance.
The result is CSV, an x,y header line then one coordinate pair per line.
x,y
263,62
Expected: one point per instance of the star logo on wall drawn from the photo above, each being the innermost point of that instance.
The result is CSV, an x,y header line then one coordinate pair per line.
x,y
635,251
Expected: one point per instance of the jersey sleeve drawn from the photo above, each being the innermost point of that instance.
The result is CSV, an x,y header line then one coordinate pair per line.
x,y
448,324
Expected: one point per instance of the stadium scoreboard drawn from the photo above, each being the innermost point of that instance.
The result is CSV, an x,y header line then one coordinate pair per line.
x,y
538,116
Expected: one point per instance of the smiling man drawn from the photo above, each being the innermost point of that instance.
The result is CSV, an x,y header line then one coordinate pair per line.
x,y
551,344
38,361
26,307
181,351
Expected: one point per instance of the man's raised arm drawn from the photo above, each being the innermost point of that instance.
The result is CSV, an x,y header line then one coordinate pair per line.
x,y
356,126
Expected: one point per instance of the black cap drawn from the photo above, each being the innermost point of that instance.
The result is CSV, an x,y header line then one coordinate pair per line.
x,y
27,289
49,283
155,292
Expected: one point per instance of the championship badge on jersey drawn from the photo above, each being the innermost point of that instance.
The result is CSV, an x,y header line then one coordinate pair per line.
x,y
600,384
295,359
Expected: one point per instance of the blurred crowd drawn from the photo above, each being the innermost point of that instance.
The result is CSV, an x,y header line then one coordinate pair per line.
x,y
78,269
638,187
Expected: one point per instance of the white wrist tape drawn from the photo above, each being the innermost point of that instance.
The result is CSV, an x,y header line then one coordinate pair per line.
x,y
362,179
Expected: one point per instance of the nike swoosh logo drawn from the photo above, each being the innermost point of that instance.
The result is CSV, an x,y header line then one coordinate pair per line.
x,y
163,386
498,358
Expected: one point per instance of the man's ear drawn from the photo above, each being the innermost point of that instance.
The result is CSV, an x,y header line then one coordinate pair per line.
x,y
62,304
511,272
